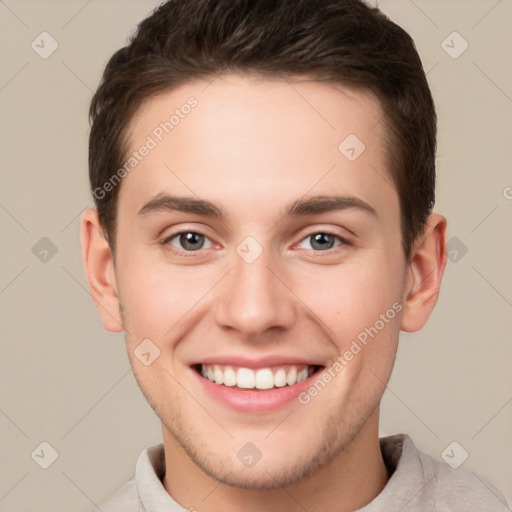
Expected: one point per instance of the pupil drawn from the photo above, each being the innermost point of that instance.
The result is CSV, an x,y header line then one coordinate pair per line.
x,y
321,239
188,239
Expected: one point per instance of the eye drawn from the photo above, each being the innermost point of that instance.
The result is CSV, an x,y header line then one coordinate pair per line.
x,y
323,241
184,242
189,241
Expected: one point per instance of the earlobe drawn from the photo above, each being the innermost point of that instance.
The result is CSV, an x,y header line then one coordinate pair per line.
x,y
424,274
99,268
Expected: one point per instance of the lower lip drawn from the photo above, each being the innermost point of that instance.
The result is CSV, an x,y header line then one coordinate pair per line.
x,y
255,401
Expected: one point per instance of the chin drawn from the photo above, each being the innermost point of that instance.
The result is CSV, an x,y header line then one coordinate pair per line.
x,y
270,475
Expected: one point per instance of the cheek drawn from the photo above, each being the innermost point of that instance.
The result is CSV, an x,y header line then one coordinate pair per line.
x,y
148,295
360,305
157,295
376,315
354,296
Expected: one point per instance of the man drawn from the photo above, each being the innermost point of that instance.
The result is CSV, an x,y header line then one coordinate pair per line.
x,y
294,143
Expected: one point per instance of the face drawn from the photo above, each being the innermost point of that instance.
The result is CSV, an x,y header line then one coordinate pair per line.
x,y
285,261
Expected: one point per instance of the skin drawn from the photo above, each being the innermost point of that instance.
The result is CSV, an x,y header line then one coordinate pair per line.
x,y
254,146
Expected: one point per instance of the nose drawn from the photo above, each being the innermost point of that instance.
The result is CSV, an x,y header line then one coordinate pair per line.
x,y
255,299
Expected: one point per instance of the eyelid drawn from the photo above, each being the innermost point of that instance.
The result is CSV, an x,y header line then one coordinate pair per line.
x,y
167,239
310,231
342,239
306,234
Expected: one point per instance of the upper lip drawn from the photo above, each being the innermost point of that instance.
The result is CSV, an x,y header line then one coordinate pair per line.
x,y
261,362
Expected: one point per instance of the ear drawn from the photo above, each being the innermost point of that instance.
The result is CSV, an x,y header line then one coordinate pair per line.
x,y
99,268
424,274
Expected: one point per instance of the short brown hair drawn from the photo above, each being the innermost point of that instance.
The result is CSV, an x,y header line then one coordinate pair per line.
x,y
343,41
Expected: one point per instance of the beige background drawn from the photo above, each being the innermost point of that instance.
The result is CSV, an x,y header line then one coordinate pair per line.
x,y
66,381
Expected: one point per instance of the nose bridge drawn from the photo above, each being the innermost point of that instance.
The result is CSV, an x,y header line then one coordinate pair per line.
x,y
254,299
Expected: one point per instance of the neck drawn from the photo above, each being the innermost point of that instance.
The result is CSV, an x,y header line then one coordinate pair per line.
x,y
349,481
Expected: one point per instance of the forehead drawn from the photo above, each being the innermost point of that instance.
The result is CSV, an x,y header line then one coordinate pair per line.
x,y
259,139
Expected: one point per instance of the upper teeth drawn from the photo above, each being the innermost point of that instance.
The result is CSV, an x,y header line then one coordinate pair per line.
x,y
262,378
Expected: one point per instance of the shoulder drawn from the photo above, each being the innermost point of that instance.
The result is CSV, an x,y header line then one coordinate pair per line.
x,y
457,489
124,499
145,490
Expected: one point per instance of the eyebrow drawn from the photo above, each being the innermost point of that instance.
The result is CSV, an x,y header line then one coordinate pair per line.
x,y
313,205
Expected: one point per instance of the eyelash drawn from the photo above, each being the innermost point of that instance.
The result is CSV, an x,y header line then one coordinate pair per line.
x,y
192,254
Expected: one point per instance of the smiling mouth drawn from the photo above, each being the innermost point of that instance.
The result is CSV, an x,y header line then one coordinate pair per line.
x,y
260,379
